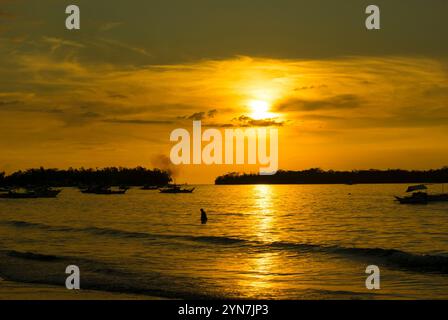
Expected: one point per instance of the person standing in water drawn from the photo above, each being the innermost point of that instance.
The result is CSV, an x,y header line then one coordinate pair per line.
x,y
203,217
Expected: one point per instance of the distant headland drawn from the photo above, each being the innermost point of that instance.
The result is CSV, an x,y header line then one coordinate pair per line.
x,y
111,176
319,176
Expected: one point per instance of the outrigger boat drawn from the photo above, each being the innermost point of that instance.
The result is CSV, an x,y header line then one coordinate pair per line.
x,y
176,189
103,190
149,188
35,193
421,197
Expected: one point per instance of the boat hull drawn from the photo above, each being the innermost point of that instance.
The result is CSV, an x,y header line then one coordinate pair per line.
x,y
174,191
411,200
31,195
423,199
105,192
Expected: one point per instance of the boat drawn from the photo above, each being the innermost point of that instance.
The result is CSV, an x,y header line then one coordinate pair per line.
x,y
416,198
176,189
421,197
150,188
41,192
101,190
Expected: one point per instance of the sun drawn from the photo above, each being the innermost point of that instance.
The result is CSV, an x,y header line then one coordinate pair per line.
x,y
260,109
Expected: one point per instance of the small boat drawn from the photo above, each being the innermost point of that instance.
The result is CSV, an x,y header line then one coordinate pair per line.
x,y
421,197
17,195
35,193
416,198
150,188
176,189
103,190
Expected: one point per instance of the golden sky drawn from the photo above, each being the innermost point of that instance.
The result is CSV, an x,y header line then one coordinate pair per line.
x,y
111,93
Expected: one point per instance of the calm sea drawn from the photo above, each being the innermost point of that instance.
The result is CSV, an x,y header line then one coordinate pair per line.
x,y
264,242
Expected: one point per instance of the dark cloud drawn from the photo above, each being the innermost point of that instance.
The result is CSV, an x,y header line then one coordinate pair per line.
x,y
246,121
311,87
20,106
219,125
90,114
197,116
264,123
345,101
72,118
212,113
117,96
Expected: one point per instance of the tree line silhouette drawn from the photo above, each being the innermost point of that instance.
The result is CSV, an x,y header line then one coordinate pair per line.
x,y
319,176
111,176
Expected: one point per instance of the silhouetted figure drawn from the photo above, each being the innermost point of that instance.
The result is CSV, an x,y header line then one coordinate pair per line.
x,y
203,217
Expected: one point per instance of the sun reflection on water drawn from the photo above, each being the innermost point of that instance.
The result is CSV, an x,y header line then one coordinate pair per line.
x,y
262,265
263,212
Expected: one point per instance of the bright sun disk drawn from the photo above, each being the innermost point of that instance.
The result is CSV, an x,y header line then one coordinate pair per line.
x,y
260,109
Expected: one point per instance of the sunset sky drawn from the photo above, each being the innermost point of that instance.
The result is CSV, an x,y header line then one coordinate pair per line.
x,y
110,94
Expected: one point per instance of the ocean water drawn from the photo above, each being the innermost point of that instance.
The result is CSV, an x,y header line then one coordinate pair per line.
x,y
261,242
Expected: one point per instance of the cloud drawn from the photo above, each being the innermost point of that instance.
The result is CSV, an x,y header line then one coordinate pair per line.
x,y
94,100
123,45
212,113
138,121
57,43
90,114
345,101
197,116
117,96
246,121
20,106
